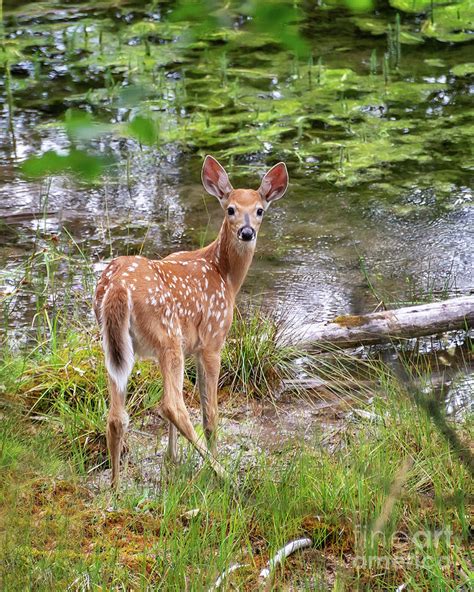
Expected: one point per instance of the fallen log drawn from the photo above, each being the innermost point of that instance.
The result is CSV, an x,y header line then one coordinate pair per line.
x,y
389,325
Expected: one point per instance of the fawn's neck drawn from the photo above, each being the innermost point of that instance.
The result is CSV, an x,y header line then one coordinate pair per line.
x,y
231,256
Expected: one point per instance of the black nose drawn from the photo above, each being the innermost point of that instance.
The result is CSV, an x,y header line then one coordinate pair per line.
x,y
246,233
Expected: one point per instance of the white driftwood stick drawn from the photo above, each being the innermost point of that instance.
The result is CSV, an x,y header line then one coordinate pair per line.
x,y
220,580
401,323
282,554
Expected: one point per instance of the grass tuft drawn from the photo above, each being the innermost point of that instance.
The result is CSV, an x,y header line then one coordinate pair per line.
x,y
256,357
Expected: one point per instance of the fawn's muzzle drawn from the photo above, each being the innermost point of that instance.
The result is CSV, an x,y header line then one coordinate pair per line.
x,y
246,233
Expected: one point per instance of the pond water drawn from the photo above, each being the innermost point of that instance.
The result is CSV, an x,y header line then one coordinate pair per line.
x,y
372,120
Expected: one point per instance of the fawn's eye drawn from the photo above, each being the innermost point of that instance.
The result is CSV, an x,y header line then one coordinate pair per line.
x,y
260,212
231,211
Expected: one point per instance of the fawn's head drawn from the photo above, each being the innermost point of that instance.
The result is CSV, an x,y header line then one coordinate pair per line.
x,y
244,208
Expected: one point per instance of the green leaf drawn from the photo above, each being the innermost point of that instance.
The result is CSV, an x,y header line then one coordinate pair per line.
x,y
203,17
49,163
279,20
144,129
80,125
78,162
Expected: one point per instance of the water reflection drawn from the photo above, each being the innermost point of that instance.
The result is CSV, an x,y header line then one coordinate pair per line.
x,y
310,247
459,399
323,250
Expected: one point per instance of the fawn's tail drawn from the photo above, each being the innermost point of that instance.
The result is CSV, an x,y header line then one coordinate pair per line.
x,y
116,339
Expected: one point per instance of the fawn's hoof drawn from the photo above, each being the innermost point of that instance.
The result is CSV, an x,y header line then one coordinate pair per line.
x,y
219,470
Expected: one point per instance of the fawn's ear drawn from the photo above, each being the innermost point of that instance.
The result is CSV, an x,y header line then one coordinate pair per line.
x,y
274,183
215,179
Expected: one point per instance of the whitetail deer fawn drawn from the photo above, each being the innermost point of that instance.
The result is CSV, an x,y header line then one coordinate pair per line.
x,y
180,305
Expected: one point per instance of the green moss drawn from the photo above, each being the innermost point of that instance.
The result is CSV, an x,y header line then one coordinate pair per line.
x,y
350,321
463,69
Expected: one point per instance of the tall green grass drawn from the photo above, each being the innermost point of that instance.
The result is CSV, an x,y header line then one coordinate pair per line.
x,y
257,356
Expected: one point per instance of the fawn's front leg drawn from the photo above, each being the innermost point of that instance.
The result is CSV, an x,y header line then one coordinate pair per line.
x,y
172,452
173,407
208,367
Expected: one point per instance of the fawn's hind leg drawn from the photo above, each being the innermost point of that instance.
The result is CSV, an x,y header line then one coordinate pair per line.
x,y
117,423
